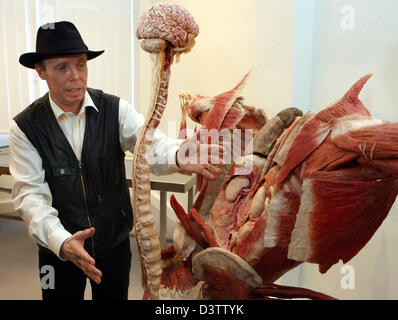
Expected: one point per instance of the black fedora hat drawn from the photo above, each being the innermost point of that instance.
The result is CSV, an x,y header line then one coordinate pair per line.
x,y
57,39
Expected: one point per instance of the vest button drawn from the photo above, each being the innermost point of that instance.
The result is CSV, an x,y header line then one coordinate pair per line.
x,y
124,214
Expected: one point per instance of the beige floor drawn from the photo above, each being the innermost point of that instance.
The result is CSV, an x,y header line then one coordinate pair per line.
x,y
19,272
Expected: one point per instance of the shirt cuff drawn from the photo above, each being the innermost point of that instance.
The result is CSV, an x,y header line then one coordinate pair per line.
x,y
174,167
172,156
56,239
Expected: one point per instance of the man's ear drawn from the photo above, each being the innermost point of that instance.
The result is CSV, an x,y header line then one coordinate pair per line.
x,y
40,71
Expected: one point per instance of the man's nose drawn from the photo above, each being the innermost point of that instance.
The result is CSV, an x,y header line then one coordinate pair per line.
x,y
74,73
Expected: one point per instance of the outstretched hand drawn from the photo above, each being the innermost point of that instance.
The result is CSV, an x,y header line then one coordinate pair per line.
x,y
73,250
196,156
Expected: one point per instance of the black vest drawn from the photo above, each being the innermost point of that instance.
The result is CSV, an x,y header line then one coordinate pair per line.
x,y
92,192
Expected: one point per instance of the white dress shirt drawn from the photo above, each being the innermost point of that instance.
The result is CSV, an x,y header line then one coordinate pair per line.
x,y
31,194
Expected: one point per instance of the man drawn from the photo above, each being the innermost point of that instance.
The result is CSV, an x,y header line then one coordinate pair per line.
x,y
67,160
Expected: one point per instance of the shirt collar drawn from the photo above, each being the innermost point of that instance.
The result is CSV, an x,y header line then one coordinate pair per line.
x,y
87,102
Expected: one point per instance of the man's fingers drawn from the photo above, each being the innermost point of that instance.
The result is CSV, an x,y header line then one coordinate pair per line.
x,y
84,258
214,169
73,250
210,171
212,153
93,273
206,173
87,264
84,234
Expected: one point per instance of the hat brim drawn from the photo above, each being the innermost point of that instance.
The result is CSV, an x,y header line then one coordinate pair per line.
x,y
30,59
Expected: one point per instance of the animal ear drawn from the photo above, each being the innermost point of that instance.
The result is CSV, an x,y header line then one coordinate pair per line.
x,y
353,93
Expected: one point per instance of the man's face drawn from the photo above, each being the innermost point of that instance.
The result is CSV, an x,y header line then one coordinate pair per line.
x,y
66,78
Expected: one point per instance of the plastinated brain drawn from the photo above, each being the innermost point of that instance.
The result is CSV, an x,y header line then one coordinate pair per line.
x,y
168,22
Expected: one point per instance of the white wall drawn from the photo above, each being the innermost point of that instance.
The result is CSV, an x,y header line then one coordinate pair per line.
x,y
339,57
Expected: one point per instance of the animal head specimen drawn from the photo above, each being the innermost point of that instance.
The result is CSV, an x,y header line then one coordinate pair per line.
x,y
315,188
